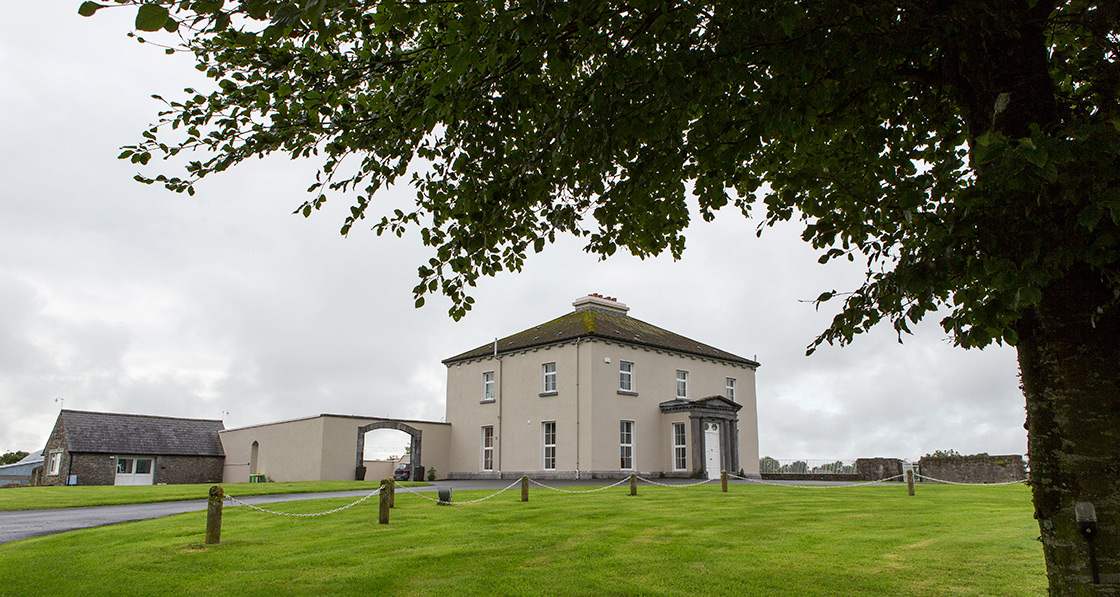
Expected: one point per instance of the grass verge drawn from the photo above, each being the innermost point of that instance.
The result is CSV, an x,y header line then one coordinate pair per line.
x,y
755,540
36,498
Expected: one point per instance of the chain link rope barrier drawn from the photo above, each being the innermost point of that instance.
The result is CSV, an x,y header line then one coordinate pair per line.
x,y
837,486
597,489
677,485
377,491
482,499
960,483
312,515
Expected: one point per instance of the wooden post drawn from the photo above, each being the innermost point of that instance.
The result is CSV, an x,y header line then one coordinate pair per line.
x,y
524,488
910,481
383,513
392,493
633,484
214,515
723,480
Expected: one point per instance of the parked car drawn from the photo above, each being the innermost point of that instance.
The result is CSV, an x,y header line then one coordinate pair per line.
x,y
403,472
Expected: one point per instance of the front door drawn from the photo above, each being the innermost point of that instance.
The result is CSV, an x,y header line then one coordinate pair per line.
x,y
711,450
133,470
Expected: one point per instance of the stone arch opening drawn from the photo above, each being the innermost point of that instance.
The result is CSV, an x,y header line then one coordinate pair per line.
x,y
414,447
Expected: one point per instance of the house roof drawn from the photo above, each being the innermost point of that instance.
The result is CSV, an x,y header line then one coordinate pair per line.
x,y
114,433
593,322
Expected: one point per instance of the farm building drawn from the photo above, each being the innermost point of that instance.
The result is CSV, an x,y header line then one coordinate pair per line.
x,y
94,448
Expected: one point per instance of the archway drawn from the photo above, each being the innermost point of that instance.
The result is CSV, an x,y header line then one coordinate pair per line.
x,y
254,455
414,449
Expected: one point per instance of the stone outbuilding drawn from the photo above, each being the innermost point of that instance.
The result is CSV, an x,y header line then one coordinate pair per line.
x,y
94,448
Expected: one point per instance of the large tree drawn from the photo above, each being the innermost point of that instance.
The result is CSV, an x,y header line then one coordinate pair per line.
x,y
966,150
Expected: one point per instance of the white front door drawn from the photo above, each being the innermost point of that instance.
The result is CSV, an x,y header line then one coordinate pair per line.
x,y
132,470
711,450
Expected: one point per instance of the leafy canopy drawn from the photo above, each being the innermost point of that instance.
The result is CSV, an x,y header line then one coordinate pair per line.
x,y
516,122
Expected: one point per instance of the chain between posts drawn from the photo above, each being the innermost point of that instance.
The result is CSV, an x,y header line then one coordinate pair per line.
x,y
857,484
615,484
676,485
482,499
267,511
597,489
959,483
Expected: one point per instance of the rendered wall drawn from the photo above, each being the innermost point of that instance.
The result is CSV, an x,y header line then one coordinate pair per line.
x,y
288,451
321,448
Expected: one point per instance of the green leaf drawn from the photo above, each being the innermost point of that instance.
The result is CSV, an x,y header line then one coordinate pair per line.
x,y
88,8
151,17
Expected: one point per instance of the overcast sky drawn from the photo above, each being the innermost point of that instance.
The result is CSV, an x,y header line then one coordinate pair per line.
x,y
127,298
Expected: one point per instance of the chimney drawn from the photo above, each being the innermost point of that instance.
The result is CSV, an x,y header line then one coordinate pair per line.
x,y
607,304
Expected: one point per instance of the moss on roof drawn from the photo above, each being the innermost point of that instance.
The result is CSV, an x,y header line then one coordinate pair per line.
x,y
595,323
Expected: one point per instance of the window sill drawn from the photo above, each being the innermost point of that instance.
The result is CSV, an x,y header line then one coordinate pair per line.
x,y
490,401
627,393
543,394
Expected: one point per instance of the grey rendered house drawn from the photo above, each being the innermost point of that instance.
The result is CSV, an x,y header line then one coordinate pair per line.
x,y
597,393
95,448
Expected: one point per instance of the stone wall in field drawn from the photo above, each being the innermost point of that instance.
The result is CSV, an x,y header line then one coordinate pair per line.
x,y
978,468
873,469
867,469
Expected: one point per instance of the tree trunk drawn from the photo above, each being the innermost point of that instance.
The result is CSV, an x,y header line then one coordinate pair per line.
x,y
1069,358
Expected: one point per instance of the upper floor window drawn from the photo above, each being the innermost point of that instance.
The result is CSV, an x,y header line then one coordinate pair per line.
x,y
488,386
731,389
626,376
682,384
548,373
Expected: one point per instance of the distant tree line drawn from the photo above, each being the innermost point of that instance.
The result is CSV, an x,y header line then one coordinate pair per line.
x,y
13,457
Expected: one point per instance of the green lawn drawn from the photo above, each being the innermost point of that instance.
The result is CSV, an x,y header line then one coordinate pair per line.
x,y
755,540
34,498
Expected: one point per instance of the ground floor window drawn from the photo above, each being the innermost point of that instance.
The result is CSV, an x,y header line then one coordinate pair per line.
x,y
55,463
626,445
680,450
133,471
488,448
548,432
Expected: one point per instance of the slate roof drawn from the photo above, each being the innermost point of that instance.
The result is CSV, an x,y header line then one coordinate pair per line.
x,y
596,323
113,433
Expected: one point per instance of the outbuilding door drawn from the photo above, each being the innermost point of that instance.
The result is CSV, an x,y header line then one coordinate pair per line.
x,y
711,450
134,470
